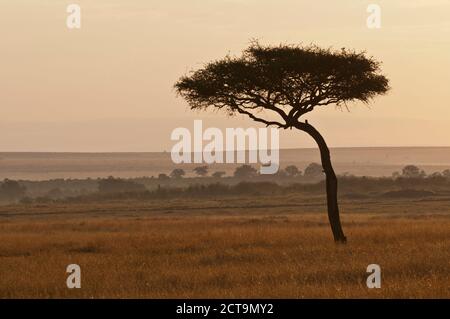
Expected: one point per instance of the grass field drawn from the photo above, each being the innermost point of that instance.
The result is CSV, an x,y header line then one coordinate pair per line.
x,y
231,248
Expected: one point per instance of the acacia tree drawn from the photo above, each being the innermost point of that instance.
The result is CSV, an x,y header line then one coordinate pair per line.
x,y
277,85
313,170
292,171
201,171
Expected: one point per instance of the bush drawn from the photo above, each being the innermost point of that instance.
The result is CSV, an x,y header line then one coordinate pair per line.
x,y
313,170
177,173
245,171
201,171
412,171
292,171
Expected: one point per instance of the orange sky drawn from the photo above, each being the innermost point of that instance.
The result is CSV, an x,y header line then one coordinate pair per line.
x,y
108,86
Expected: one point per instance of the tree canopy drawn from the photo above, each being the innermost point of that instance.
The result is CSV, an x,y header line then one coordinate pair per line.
x,y
245,171
177,173
286,80
313,170
292,171
201,170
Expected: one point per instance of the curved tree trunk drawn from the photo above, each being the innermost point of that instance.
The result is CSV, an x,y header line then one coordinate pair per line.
x,y
331,181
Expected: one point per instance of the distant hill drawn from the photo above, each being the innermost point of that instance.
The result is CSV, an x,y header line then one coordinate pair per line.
x,y
366,161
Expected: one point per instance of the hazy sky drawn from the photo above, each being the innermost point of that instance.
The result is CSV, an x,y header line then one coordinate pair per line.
x,y
108,86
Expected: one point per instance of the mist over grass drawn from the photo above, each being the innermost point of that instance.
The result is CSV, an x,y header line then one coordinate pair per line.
x,y
204,188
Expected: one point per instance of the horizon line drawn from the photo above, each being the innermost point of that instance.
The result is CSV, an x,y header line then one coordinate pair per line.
x,y
246,150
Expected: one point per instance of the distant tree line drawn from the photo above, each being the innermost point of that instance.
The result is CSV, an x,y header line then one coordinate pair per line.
x,y
247,171
411,176
313,170
351,187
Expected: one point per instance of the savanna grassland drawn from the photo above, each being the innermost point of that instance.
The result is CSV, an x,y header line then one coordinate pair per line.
x,y
258,246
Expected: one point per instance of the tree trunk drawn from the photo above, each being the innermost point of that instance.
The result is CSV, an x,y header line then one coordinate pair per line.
x,y
331,181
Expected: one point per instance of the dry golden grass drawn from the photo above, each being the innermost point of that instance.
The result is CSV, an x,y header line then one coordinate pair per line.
x,y
231,248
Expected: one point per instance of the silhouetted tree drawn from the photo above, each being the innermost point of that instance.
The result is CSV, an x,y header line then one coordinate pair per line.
x,y
201,171
313,170
412,171
288,82
245,171
177,173
218,174
292,171
436,178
